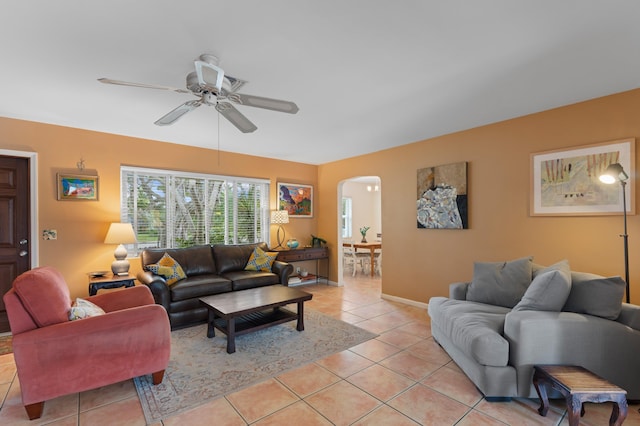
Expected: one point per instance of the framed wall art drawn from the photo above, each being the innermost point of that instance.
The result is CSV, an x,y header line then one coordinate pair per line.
x,y
296,198
442,197
77,187
567,182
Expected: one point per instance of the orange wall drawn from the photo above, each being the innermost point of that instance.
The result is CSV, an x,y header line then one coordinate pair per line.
x,y
82,225
420,263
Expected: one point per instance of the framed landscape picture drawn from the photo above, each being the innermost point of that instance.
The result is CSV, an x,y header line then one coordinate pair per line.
x,y
296,198
567,182
77,187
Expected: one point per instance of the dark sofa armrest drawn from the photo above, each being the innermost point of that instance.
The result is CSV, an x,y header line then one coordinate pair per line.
x,y
283,270
158,287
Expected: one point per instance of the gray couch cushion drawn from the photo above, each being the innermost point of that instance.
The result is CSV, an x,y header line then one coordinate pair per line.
x,y
630,316
595,295
500,283
474,328
549,289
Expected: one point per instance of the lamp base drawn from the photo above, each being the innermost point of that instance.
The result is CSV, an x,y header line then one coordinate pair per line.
x,y
280,239
120,267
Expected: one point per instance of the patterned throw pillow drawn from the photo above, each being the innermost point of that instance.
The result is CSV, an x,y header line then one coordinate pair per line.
x,y
168,268
84,309
261,260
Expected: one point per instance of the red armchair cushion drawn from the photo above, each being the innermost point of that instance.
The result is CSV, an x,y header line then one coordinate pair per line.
x,y
45,295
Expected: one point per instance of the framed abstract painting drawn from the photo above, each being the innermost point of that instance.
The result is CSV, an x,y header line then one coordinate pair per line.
x,y
296,198
567,182
442,197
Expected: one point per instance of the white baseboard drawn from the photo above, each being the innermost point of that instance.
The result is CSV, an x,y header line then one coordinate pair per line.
x,y
405,301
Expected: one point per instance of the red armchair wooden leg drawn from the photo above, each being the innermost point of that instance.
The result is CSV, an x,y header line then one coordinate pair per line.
x,y
34,411
157,377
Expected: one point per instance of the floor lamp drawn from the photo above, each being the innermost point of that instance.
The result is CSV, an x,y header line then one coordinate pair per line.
x,y
615,173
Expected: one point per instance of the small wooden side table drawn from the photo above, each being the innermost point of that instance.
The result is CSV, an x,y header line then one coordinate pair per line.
x,y
578,385
110,281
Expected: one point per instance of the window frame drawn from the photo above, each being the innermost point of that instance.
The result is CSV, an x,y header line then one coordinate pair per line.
x,y
346,217
229,184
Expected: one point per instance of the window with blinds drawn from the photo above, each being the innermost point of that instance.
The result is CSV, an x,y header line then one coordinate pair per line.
x,y
171,209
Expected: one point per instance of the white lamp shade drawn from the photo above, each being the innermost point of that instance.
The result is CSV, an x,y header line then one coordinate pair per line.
x,y
120,233
279,216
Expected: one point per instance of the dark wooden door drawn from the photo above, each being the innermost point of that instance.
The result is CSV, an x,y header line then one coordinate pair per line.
x,y
15,243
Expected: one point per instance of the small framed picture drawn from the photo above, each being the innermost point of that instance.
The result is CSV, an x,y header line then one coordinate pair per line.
x,y
77,187
296,198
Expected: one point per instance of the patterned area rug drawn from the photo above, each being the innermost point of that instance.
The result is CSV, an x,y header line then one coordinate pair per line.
x,y
5,345
200,369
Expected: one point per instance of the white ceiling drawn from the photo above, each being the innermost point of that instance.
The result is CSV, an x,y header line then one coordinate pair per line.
x,y
366,74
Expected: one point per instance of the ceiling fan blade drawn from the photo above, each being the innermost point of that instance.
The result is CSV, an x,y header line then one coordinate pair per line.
x,y
230,112
210,76
266,103
146,86
174,115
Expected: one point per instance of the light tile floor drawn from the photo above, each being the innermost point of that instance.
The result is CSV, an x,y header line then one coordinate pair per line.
x,y
400,378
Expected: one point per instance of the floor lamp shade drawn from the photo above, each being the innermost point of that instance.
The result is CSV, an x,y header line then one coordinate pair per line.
x,y
120,233
279,217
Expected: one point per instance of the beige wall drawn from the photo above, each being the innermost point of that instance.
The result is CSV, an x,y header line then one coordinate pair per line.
x,y
82,226
420,263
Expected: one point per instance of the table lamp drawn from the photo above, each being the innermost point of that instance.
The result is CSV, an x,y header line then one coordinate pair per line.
x,y
615,173
279,217
120,233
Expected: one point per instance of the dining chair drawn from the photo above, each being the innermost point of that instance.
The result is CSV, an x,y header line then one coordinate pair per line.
x,y
377,262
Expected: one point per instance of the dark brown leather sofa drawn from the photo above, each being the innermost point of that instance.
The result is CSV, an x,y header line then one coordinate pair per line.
x,y
210,269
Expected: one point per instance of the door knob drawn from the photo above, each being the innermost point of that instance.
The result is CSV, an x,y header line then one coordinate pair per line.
x,y
23,253
23,241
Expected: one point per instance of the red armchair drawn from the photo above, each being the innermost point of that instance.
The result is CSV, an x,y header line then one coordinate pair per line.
x,y
55,356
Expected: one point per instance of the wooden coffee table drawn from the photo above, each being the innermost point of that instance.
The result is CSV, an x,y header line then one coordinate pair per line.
x,y
578,385
240,312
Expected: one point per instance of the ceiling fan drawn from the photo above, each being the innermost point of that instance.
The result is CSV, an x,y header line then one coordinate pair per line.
x,y
213,87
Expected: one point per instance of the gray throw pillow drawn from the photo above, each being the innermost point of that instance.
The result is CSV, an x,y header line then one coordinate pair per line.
x,y
500,283
595,295
562,265
548,292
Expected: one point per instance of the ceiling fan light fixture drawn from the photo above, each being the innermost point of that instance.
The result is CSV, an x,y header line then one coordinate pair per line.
x,y
210,77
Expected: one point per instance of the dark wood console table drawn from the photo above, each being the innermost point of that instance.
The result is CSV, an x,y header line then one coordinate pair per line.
x,y
109,281
304,254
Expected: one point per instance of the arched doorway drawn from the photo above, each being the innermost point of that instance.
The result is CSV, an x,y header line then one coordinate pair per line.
x,y
360,206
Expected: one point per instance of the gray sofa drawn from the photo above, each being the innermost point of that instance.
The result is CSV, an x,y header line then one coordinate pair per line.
x,y
209,269
496,333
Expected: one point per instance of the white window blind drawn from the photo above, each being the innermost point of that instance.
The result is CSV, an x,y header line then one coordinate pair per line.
x,y
170,209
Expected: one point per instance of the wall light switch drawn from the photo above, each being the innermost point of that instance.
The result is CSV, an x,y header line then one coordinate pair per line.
x,y
49,234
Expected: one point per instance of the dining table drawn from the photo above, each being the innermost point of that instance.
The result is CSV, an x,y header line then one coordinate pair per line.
x,y
371,246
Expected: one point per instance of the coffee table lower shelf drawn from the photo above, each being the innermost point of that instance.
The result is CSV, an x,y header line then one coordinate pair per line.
x,y
253,322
